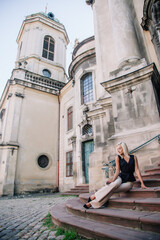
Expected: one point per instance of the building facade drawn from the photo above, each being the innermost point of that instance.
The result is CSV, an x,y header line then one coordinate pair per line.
x,y
30,108
57,133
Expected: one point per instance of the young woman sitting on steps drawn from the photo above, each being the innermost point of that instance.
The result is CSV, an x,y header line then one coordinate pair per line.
x,y
123,178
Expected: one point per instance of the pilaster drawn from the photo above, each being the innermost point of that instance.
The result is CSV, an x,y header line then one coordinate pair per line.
x,y
8,153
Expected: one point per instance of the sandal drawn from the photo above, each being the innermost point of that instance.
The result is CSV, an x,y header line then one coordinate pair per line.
x,y
85,206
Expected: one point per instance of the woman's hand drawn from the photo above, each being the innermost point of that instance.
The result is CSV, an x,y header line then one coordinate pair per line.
x,y
143,186
116,173
109,181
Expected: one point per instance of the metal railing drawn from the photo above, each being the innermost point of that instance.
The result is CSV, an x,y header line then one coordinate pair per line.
x,y
113,163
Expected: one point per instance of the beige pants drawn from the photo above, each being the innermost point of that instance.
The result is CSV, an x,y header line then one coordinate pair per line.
x,y
102,195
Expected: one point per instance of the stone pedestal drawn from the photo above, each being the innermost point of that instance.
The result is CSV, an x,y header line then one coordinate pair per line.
x,y
135,99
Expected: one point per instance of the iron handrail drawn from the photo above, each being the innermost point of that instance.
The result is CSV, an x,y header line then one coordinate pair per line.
x,y
135,149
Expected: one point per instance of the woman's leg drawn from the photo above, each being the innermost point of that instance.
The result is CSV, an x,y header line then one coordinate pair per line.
x,y
124,187
102,195
102,192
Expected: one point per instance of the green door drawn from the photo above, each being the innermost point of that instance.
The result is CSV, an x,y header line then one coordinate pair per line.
x,y
88,148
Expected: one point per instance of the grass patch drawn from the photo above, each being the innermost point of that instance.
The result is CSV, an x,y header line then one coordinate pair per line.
x,y
47,222
60,231
69,234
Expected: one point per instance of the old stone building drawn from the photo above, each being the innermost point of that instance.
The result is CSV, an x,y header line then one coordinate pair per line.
x,y
30,107
57,133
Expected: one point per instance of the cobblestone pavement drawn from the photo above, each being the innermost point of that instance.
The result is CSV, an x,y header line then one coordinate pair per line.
x,y
21,217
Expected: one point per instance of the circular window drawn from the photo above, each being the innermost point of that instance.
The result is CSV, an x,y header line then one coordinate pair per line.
x,y
46,73
43,161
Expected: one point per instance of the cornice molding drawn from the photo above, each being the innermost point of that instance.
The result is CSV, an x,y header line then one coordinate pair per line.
x,y
41,18
10,144
79,60
130,79
87,40
36,86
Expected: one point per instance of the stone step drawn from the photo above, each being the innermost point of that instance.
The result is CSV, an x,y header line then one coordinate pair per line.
x,y
153,170
147,221
142,204
78,190
152,192
82,186
150,176
70,193
148,183
97,230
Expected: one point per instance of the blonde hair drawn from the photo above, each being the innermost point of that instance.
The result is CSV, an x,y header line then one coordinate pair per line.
x,y
125,148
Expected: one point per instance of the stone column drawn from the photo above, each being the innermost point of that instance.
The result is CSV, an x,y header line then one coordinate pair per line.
x,y
126,44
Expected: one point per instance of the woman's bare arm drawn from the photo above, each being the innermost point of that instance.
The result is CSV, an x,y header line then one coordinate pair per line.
x,y
117,171
137,171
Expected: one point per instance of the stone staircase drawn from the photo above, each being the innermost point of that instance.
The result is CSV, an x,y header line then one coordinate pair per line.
x,y
77,190
134,215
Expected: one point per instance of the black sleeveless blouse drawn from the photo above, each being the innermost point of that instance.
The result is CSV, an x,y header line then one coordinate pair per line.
x,y
127,169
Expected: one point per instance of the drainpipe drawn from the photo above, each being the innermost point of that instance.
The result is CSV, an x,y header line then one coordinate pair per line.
x,y
58,143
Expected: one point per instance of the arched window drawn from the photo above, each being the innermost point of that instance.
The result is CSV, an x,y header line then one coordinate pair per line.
x,y
86,88
70,118
87,129
48,48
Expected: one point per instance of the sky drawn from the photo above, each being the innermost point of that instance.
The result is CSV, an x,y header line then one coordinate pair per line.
x,y
75,15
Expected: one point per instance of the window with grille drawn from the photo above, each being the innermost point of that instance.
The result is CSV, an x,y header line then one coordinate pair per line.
x,y
48,48
87,88
69,164
70,118
87,129
43,161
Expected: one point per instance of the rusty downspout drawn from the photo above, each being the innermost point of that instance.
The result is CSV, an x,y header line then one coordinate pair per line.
x,y
58,143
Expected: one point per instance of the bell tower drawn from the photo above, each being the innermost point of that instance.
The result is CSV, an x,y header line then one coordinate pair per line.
x,y
42,43
29,108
